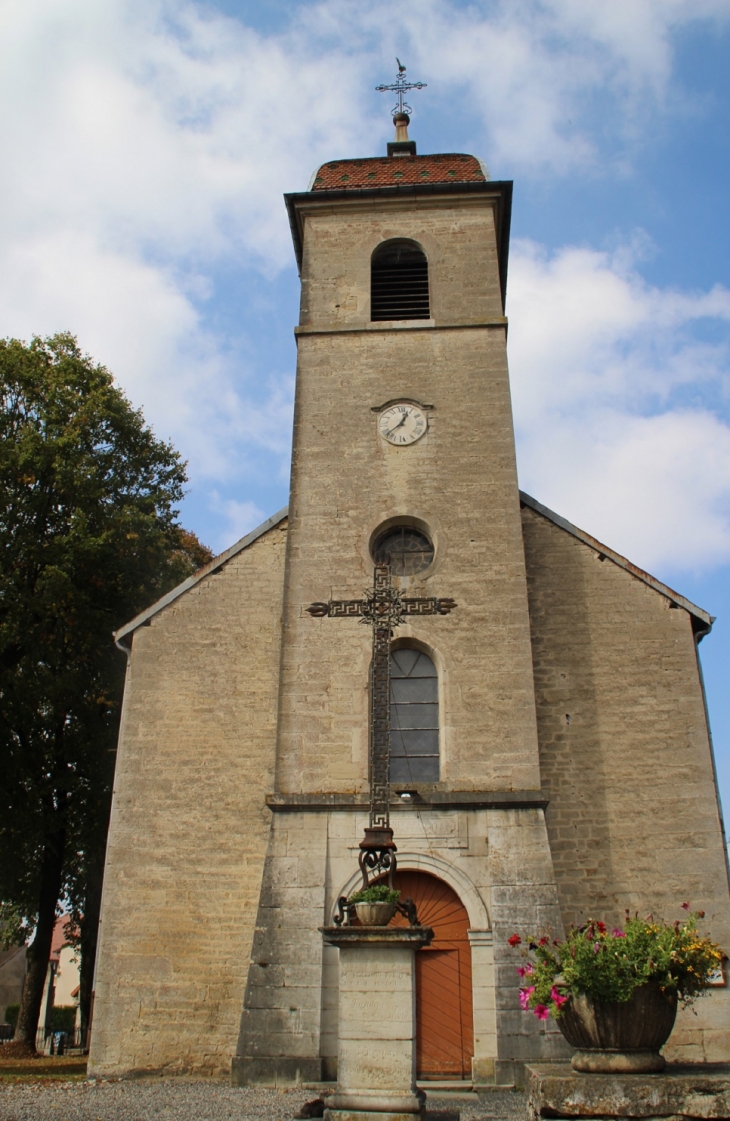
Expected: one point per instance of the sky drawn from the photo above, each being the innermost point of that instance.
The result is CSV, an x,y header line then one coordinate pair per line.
x,y
147,145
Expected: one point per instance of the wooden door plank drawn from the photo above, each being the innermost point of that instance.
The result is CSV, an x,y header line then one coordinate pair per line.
x,y
444,1016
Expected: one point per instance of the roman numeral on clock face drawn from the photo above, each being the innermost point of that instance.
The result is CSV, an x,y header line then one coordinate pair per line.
x,y
402,424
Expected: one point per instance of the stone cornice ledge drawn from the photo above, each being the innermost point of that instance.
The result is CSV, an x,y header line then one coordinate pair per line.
x,y
404,325
377,935
421,799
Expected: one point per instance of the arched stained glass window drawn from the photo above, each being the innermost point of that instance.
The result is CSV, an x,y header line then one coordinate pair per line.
x,y
399,281
414,717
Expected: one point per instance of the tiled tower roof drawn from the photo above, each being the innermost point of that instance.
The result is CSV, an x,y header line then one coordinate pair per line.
x,y
390,171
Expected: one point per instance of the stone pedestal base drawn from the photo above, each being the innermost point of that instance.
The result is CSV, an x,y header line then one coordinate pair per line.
x,y
691,1092
365,1115
376,1065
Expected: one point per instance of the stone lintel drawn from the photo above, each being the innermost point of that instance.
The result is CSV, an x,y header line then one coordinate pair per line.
x,y
692,1091
423,798
405,936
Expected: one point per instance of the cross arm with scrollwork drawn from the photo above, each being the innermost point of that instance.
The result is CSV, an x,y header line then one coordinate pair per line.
x,y
351,608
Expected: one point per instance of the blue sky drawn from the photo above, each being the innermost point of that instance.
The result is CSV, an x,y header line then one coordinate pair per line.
x,y
147,147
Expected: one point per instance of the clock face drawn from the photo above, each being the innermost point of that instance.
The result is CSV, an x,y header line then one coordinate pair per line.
x,y
402,424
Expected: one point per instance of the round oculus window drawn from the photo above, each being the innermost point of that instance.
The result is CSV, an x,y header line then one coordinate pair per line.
x,y
405,549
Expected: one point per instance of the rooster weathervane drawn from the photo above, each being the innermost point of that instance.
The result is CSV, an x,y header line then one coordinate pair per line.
x,y
400,87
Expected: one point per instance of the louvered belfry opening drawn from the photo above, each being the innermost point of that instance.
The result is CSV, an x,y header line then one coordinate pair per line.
x,y
399,282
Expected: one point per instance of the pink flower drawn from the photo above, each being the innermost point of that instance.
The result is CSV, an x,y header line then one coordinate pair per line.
x,y
685,906
596,947
529,968
541,1011
514,940
525,995
618,933
557,997
601,927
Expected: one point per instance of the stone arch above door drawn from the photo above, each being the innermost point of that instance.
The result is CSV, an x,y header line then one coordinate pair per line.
x,y
436,866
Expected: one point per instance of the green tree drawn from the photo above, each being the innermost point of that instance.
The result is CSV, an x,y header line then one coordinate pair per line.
x,y
88,538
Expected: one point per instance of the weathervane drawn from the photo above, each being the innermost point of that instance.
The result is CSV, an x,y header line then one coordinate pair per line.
x,y
401,86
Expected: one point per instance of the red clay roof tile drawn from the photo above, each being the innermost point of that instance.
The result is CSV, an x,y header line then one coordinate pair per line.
x,y
389,171
60,934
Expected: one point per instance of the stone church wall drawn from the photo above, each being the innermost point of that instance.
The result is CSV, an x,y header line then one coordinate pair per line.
x,y
625,755
189,824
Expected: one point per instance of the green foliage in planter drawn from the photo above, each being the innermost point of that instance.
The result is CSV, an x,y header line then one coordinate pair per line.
x,y
378,893
63,1017
11,1014
608,965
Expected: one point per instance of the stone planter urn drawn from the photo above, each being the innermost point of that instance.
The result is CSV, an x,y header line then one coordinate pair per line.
x,y
619,1038
374,914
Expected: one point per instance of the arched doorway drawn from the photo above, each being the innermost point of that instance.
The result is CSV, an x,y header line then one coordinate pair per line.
x,y
444,1018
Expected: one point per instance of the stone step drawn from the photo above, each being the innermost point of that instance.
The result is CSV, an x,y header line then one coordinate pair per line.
x,y
448,1089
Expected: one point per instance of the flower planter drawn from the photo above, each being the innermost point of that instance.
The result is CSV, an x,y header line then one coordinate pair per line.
x,y
620,1038
374,914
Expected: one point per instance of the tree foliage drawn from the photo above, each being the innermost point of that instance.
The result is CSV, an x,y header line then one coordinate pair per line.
x,y
88,538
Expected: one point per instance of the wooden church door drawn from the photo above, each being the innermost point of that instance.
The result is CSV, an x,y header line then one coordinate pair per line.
x,y
444,1023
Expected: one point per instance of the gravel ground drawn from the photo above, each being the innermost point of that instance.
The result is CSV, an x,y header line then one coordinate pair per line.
x,y
179,1100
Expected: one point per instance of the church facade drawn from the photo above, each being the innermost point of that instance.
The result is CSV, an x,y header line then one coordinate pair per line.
x,y
550,752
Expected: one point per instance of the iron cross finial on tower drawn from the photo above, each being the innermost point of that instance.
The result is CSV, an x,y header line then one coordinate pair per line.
x,y
401,111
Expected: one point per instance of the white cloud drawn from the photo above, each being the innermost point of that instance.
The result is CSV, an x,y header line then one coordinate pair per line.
x,y
602,366
147,144
595,328
238,519
145,141
554,85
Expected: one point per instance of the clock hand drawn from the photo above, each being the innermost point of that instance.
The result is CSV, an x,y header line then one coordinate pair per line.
x,y
402,421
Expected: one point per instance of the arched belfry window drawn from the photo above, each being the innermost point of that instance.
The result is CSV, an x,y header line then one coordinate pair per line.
x,y
399,281
414,717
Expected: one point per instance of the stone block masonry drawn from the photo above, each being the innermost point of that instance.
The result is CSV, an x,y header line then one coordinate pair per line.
x,y
625,755
681,1093
189,825
279,1040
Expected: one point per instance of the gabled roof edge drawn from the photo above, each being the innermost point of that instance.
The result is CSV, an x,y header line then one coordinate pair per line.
x,y
212,566
622,562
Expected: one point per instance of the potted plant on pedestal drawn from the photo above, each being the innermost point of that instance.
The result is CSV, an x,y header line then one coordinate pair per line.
x,y
614,992
374,906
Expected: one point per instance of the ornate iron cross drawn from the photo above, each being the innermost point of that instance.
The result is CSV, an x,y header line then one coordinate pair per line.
x,y
400,87
383,608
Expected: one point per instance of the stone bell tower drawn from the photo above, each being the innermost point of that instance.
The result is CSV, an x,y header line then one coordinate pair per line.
x,y
404,451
